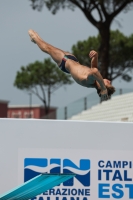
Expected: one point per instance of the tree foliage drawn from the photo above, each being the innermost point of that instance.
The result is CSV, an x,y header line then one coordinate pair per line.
x,y
121,54
41,79
100,13
102,7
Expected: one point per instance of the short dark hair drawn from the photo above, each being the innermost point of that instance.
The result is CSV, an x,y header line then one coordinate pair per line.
x,y
110,90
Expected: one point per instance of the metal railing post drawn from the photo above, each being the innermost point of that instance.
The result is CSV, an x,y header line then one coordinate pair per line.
x,y
85,103
65,112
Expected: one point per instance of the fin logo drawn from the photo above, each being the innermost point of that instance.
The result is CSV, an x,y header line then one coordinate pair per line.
x,y
36,166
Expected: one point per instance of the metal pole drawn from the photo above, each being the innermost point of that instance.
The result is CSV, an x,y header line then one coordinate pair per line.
x,y
30,104
120,91
65,110
85,103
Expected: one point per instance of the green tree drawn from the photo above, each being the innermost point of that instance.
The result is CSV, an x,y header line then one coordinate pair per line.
x,y
100,13
121,54
41,79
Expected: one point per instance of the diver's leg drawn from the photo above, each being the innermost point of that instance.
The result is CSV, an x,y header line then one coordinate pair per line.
x,y
55,53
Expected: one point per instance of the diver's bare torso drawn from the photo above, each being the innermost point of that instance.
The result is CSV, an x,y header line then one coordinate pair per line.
x,y
80,73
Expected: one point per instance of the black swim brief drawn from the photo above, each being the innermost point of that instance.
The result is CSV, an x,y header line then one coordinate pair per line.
x,y
64,59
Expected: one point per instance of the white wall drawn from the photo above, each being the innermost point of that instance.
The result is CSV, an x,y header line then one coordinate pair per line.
x,y
16,134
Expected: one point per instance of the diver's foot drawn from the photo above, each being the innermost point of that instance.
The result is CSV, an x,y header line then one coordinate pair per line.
x,y
32,35
38,36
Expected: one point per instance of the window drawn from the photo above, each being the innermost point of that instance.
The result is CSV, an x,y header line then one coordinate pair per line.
x,y
16,114
29,114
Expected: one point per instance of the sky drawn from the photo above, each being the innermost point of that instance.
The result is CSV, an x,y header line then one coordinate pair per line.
x,y
62,30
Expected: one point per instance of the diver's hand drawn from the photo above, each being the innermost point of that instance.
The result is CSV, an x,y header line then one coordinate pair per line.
x,y
93,54
104,95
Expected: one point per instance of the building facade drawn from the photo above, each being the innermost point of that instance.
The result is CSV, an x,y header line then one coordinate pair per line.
x,y
3,108
35,111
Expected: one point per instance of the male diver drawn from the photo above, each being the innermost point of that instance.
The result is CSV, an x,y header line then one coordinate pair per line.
x,y
86,76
